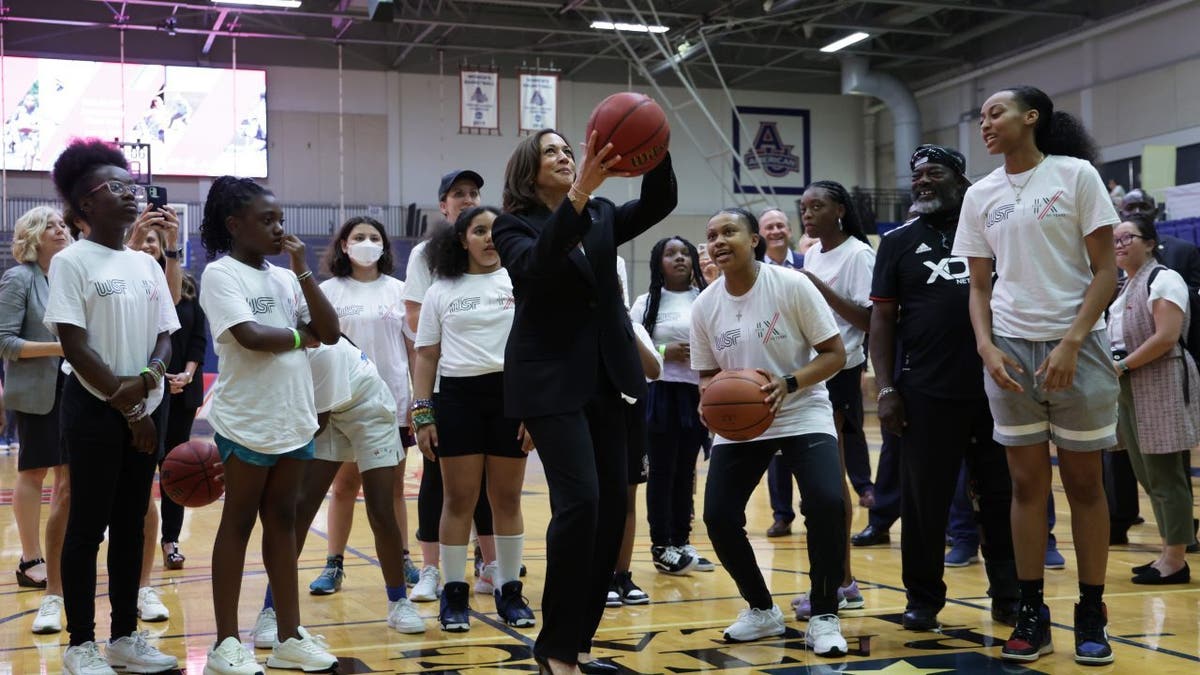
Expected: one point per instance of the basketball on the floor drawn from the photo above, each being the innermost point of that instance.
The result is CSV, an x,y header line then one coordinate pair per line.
x,y
733,407
189,474
636,126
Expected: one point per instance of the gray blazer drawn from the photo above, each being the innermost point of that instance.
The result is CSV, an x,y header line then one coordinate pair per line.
x,y
29,384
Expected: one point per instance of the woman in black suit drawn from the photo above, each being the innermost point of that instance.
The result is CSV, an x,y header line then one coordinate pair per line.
x,y
571,366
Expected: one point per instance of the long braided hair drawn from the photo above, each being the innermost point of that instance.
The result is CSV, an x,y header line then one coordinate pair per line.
x,y
650,315
227,196
851,222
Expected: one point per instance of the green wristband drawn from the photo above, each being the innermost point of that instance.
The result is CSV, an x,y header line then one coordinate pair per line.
x,y
296,336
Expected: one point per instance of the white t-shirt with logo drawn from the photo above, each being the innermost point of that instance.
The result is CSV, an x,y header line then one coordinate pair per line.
x,y
417,277
471,317
371,314
120,298
847,271
772,326
342,374
673,324
261,400
1041,258
1167,284
623,279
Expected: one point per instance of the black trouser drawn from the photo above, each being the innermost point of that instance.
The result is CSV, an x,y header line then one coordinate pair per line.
x,y
672,450
1121,488
941,433
179,431
584,456
735,470
887,484
779,489
845,393
110,488
429,504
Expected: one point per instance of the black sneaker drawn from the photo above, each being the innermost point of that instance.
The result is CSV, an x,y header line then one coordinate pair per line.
x,y
1031,638
513,608
614,592
629,592
455,611
672,560
1091,635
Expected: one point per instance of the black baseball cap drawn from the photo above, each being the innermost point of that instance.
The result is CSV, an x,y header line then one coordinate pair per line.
x,y
453,177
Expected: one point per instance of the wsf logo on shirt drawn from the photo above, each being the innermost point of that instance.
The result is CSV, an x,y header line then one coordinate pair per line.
x,y
261,305
1001,214
728,339
110,287
464,304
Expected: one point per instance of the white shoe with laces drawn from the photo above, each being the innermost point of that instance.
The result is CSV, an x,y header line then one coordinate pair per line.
x,y
755,624
486,583
702,564
49,616
231,658
150,607
427,589
86,659
404,618
824,636
134,654
308,653
265,631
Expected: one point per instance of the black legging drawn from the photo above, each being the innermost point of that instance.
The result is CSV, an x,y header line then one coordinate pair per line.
x,y
179,430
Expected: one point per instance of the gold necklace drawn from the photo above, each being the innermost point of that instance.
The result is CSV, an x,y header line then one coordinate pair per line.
x,y
1017,189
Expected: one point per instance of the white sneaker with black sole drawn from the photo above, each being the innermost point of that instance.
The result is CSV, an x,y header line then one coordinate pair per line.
x,y
824,636
133,654
86,659
150,607
428,587
231,658
265,630
756,624
702,564
308,653
404,618
672,560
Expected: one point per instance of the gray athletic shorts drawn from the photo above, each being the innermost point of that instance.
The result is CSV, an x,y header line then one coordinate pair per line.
x,y
1081,418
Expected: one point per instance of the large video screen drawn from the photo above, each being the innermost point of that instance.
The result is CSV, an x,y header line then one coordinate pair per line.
x,y
198,121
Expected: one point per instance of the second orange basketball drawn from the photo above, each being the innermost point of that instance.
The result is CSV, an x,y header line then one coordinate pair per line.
x,y
636,126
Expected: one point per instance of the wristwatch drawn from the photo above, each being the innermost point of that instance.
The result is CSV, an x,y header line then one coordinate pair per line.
x,y
792,384
173,254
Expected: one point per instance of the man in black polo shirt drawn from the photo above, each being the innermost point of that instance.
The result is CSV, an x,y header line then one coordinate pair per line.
x,y
937,404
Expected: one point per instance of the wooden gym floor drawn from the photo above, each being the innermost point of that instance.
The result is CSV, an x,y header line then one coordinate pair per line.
x,y
1153,629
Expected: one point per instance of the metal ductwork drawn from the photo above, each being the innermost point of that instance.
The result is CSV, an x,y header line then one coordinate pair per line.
x,y
906,117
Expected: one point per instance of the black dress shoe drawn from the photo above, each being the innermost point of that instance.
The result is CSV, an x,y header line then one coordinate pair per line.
x,y
598,667
781,528
919,618
870,536
1152,577
1141,568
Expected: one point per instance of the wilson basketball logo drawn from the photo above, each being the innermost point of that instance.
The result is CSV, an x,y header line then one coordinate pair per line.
x,y
261,305
110,287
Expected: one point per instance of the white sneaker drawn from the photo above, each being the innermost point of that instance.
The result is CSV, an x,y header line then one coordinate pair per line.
x,y
755,624
824,636
429,587
265,632
702,564
49,616
307,654
486,583
134,654
85,659
231,658
404,618
150,607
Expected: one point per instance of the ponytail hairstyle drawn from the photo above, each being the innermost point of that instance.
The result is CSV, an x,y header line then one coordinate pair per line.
x,y
851,222
1056,132
448,258
751,225
227,196
654,296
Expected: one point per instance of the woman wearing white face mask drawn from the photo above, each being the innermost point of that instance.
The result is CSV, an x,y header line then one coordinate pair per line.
x,y
370,306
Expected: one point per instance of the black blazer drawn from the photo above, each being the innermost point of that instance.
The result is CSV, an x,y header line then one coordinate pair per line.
x,y
570,318
187,344
1182,256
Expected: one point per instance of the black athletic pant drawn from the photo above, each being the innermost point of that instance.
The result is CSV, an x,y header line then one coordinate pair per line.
x,y
941,433
179,430
734,471
584,456
110,488
429,503
672,452
887,484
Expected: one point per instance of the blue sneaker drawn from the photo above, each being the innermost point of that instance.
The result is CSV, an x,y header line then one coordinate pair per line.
x,y
455,611
412,573
962,555
1054,559
513,608
1091,636
330,579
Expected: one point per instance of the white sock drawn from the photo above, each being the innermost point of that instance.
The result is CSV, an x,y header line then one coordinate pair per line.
x,y
509,548
454,563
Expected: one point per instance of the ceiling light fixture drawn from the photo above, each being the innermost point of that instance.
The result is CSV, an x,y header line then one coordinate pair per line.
x,y
282,4
629,27
851,39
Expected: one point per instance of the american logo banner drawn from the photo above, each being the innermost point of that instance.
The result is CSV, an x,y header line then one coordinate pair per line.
x,y
772,150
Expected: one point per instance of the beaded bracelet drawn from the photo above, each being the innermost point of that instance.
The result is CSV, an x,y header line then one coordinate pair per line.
x,y
421,403
423,417
304,275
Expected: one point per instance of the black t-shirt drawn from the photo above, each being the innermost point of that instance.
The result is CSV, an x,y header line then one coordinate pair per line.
x,y
914,268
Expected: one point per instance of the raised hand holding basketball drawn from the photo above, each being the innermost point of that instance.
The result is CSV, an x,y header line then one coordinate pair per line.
x,y
593,170
774,389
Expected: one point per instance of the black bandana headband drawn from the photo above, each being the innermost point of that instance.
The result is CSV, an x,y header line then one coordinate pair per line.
x,y
937,154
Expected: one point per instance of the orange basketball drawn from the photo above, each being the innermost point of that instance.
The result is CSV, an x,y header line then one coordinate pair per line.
x,y
637,128
733,407
189,474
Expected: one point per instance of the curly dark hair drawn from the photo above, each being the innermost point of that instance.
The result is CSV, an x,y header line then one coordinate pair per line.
x,y
448,258
751,223
1145,227
78,162
851,222
1056,132
654,295
337,261
520,175
227,196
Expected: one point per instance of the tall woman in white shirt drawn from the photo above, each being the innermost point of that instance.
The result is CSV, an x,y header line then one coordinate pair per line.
x,y
465,321
1046,220
370,307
